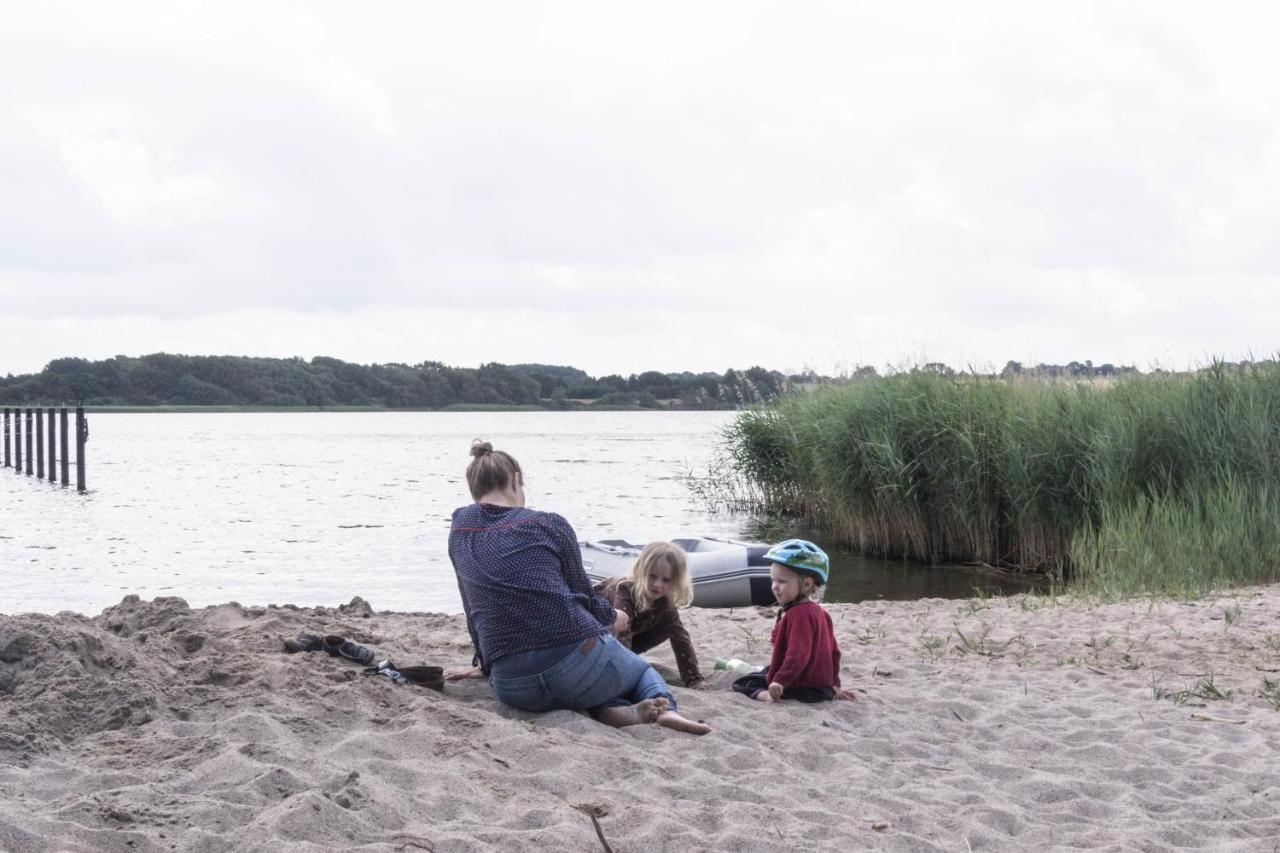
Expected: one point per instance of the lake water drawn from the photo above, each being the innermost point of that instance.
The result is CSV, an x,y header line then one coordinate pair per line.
x,y
314,508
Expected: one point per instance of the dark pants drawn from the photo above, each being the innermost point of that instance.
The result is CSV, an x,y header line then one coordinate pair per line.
x,y
755,682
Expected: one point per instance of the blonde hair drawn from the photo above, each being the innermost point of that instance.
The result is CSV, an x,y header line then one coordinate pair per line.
x,y
815,594
681,593
489,469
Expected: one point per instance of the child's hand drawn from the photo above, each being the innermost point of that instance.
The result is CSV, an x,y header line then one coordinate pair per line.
x,y
847,695
621,622
775,691
458,673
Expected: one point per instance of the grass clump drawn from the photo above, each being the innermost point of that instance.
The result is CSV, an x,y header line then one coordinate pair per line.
x,y
1206,689
1158,483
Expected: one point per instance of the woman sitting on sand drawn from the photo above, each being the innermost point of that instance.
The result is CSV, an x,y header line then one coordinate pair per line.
x,y
541,634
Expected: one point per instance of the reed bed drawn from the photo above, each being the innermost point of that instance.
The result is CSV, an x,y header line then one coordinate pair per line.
x,y
1156,483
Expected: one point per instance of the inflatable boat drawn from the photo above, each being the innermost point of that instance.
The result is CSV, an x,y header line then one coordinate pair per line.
x,y
723,573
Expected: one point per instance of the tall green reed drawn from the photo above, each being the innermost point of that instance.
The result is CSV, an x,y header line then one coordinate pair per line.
x,y
1062,478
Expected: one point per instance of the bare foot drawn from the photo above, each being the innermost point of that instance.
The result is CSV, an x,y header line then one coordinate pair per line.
x,y
672,720
647,711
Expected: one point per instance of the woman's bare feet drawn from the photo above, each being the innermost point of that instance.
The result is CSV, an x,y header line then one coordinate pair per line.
x,y
672,720
648,711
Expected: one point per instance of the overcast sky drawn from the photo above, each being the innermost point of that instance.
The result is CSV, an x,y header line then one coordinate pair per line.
x,y
627,187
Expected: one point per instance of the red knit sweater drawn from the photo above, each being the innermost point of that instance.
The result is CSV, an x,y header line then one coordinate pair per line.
x,y
805,653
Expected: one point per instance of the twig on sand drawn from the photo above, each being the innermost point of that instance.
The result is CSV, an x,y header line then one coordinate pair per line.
x,y
403,842
956,714
590,812
1205,718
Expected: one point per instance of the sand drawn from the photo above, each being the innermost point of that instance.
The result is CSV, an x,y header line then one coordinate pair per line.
x,y
1010,724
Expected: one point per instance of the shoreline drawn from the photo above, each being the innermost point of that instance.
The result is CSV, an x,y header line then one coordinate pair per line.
x,y
1028,722
456,408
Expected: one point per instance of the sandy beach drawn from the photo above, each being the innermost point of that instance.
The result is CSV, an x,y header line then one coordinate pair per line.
x,y
1003,724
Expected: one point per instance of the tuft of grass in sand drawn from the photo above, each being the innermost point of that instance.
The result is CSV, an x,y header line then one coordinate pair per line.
x,y
1271,692
932,645
1206,689
750,638
870,634
1230,616
975,643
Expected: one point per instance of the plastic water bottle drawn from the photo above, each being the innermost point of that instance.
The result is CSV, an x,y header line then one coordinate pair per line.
x,y
734,665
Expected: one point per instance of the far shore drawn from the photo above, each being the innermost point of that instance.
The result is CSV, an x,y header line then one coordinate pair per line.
x,y
457,407
1021,723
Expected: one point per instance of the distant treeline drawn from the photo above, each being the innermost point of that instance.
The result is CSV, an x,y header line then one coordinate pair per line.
x,y
192,380
185,380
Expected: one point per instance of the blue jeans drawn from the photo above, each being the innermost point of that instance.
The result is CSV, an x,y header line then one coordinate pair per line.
x,y
598,672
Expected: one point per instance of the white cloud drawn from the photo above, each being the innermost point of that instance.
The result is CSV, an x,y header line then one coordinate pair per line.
x,y
635,188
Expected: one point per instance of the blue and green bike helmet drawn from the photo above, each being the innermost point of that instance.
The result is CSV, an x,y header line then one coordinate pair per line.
x,y
801,555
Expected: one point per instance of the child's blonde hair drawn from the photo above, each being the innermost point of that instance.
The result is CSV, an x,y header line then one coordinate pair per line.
x,y
681,593
816,590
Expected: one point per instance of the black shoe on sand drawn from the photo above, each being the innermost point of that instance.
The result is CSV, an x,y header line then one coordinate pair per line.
x,y
340,647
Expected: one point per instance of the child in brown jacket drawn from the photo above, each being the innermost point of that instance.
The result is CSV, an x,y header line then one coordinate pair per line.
x,y
659,585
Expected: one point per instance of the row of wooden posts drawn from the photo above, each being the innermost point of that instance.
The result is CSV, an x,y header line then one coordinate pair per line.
x,y
35,418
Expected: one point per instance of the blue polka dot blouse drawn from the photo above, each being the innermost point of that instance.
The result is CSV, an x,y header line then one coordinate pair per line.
x,y
522,582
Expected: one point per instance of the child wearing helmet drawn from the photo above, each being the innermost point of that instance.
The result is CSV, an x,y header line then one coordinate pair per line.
x,y
805,664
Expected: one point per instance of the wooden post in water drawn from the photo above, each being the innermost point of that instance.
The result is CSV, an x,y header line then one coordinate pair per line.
x,y
52,446
82,433
7,460
65,455
39,443
28,442
17,441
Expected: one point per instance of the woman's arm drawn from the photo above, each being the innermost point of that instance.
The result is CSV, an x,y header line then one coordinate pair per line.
x,y
575,576
476,659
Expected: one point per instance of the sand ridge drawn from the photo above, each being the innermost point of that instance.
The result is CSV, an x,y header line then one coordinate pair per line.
x,y
1027,723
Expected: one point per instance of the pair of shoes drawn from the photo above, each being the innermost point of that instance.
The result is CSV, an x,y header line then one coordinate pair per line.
x,y
424,676
304,643
341,647
338,647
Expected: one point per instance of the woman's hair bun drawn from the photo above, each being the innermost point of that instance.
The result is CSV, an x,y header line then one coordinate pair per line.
x,y
480,448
